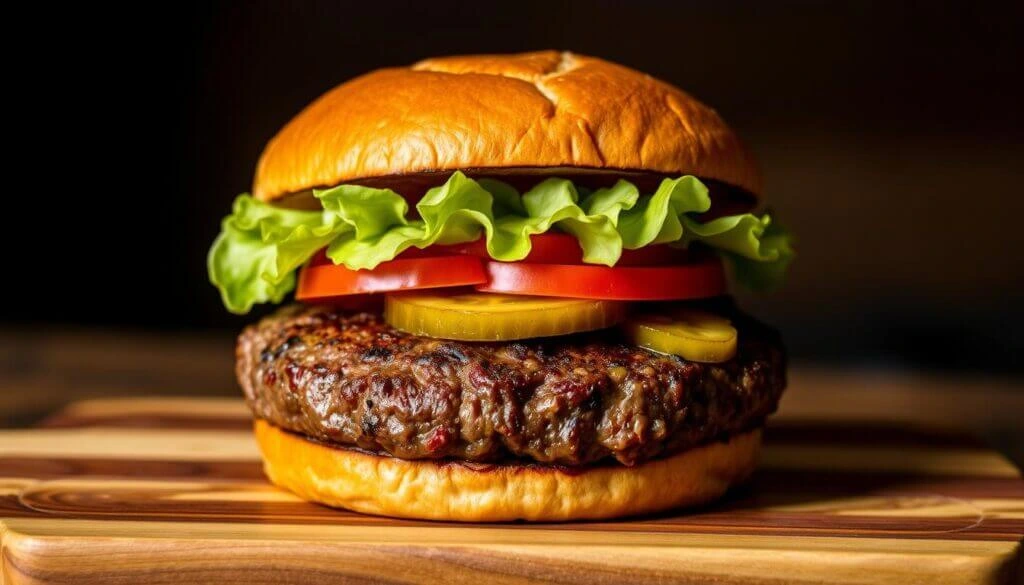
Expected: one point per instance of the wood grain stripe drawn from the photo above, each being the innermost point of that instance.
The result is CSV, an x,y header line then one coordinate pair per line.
x,y
183,469
404,532
128,407
131,444
273,557
221,561
149,421
921,515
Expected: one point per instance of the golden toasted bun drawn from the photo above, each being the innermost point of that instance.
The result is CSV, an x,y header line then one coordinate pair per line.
x,y
490,493
544,109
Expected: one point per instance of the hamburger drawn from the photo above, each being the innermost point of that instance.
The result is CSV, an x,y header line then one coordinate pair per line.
x,y
511,294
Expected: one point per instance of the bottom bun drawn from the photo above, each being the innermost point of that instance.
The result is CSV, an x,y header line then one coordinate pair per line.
x,y
473,492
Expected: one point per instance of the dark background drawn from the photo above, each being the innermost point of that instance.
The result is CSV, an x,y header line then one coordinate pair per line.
x,y
890,135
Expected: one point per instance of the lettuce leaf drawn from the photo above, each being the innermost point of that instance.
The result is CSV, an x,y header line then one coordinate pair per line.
x,y
462,210
759,263
260,246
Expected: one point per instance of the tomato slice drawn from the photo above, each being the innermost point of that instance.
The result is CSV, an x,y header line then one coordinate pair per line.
x,y
698,279
326,280
553,268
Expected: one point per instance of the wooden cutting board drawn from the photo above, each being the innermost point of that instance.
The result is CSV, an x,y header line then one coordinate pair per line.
x,y
170,491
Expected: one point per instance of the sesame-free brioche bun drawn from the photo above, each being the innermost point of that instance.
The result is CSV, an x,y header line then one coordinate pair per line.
x,y
533,112
432,490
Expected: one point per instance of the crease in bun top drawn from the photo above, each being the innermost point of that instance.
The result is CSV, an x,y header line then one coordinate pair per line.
x,y
511,279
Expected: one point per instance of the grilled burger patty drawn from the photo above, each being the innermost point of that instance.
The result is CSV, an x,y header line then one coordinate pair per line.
x,y
349,379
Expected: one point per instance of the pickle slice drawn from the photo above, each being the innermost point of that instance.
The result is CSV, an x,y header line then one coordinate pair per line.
x,y
695,335
497,317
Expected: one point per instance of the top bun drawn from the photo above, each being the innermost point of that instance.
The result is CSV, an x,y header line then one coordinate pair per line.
x,y
545,109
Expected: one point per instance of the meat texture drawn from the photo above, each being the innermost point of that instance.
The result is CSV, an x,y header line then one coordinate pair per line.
x,y
349,379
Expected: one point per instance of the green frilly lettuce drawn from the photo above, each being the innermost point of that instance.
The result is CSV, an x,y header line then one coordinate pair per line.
x,y
260,246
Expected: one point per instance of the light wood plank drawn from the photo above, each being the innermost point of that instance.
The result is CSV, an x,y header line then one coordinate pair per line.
x,y
128,444
113,550
201,407
180,493
183,504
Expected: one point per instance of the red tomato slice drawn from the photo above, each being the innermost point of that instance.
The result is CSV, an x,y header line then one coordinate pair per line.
x,y
556,248
698,279
325,280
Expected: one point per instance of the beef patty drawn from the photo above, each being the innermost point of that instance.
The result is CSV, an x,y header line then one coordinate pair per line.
x,y
349,379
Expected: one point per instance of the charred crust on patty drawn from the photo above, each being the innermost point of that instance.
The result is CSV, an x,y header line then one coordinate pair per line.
x,y
349,379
